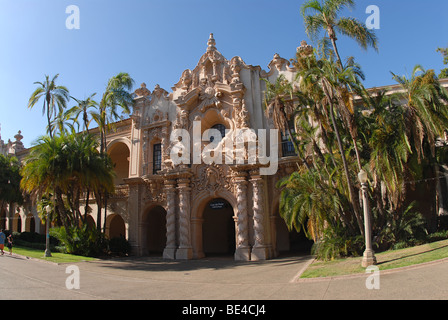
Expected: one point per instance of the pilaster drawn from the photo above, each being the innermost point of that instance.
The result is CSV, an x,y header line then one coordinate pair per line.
x,y
185,250
170,249
242,246
259,250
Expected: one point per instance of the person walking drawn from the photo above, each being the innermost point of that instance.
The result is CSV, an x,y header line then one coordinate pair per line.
x,y
2,240
9,244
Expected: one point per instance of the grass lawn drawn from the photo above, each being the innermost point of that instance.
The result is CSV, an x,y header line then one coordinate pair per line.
x,y
385,260
56,256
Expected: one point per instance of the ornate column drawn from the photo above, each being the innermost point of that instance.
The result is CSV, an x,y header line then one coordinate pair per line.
x,y
242,236
170,249
185,250
259,250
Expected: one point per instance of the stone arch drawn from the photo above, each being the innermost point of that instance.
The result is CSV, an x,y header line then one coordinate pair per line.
x,y
30,223
90,221
289,242
218,228
17,222
119,152
153,230
115,226
213,117
197,216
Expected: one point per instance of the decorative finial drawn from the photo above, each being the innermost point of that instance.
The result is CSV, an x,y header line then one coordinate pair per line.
x,y
211,43
305,49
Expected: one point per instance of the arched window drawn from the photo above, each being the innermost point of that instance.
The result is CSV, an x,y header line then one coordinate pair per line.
x,y
221,128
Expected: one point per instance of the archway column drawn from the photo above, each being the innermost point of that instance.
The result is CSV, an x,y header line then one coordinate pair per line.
x,y
260,249
242,233
185,250
170,250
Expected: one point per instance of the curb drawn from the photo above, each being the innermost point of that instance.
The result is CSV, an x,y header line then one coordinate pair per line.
x,y
358,275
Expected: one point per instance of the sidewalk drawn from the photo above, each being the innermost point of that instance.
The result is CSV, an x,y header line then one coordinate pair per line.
x,y
214,279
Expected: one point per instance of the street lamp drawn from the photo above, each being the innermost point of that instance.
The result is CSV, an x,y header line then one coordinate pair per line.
x,y
368,258
47,240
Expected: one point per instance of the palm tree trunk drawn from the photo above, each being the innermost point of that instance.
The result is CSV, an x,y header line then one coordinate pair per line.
x,y
346,171
332,36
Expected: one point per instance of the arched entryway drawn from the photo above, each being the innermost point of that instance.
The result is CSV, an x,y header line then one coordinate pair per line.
x,y
218,228
30,223
290,242
154,231
17,223
90,222
115,226
119,154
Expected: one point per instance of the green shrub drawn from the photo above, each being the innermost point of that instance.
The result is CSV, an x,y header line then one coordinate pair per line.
x,y
402,230
119,246
336,243
82,241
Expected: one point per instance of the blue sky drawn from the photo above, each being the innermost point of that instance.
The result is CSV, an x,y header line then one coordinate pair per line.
x,y
155,40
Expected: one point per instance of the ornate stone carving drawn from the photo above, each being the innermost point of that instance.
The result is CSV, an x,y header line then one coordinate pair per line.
x,y
211,178
142,91
170,190
154,191
209,98
258,191
159,92
243,250
185,250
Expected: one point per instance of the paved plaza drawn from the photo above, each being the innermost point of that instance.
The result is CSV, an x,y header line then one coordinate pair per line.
x,y
210,279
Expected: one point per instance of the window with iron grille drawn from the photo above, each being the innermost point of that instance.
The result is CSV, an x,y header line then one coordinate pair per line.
x,y
157,157
287,145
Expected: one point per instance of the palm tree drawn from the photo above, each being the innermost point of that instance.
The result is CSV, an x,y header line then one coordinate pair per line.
x,y
425,103
280,107
116,96
389,148
83,107
54,97
331,84
324,16
65,165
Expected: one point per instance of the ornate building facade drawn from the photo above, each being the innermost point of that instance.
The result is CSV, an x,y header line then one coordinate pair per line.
x,y
192,210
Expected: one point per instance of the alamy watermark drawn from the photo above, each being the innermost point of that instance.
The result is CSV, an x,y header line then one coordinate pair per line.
x,y
73,20
239,146
373,21
73,280
373,280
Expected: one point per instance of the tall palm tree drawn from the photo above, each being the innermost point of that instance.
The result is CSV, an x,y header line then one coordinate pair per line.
x,y
280,107
331,81
116,96
389,147
323,15
54,96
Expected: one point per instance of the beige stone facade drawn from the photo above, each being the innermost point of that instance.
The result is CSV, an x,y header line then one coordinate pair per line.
x,y
188,211
191,211
196,209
